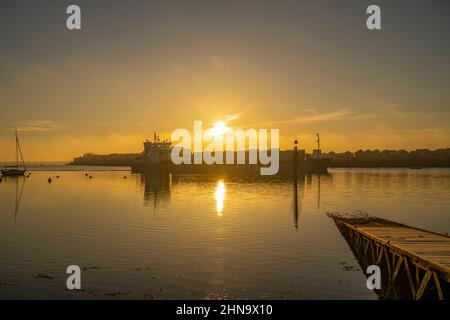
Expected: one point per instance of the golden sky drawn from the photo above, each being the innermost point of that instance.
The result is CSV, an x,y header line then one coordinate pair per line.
x,y
297,66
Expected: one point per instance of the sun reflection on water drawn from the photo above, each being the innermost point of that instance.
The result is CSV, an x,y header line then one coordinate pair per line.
x,y
220,196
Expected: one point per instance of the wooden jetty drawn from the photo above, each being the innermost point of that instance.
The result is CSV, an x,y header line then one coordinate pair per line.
x,y
415,263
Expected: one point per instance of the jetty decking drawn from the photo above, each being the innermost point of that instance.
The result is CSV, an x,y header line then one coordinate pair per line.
x,y
412,258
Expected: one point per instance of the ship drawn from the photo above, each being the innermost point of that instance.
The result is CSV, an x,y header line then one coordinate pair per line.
x,y
15,170
156,158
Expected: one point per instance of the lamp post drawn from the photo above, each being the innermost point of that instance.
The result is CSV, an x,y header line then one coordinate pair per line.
x,y
318,145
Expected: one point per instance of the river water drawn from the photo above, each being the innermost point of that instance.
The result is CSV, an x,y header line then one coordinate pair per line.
x,y
200,237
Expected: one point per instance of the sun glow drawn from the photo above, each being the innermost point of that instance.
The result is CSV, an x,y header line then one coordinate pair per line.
x,y
219,129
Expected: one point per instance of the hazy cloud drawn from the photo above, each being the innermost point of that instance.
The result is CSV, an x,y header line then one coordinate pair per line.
x,y
342,114
36,126
384,109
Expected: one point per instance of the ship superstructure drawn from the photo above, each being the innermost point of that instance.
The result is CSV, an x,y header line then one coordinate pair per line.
x,y
157,151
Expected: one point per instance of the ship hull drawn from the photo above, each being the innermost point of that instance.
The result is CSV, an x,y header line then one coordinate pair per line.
x,y
307,166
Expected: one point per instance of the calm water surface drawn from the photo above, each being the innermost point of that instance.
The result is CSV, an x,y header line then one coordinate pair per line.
x,y
200,237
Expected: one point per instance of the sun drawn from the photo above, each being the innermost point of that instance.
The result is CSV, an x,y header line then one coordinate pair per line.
x,y
219,129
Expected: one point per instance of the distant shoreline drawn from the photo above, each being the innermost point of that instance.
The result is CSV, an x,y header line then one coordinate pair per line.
x,y
333,164
127,161
420,158
390,164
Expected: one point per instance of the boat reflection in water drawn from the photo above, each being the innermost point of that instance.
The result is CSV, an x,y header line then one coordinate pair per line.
x,y
19,182
157,187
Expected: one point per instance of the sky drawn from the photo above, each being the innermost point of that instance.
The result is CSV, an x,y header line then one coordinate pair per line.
x,y
299,66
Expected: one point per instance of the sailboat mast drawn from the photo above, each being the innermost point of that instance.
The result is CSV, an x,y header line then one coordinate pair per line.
x,y
17,150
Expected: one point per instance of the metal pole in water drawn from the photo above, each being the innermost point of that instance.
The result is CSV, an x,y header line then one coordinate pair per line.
x,y
295,160
294,183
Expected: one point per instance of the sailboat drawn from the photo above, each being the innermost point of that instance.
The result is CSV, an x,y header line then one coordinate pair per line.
x,y
15,170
